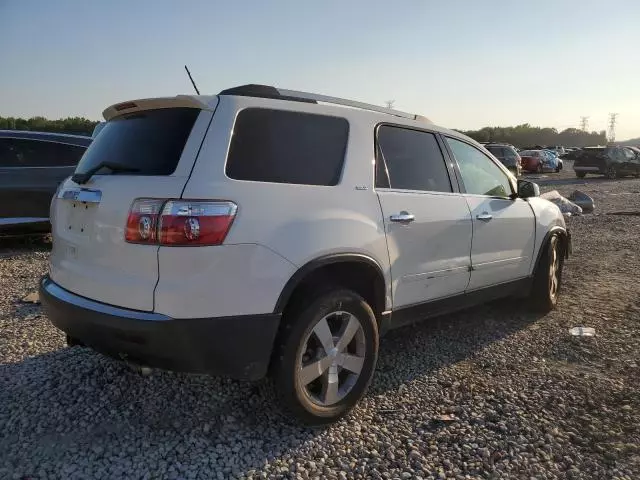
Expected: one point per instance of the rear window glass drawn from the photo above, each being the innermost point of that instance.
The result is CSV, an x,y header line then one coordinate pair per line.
x,y
149,142
497,151
287,147
38,153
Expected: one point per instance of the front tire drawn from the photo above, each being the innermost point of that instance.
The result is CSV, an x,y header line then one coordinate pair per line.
x,y
327,356
548,276
539,168
581,174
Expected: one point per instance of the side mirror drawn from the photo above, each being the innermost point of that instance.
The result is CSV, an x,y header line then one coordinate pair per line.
x,y
528,189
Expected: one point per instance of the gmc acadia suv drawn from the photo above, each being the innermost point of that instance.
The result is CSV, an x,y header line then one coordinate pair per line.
x,y
265,231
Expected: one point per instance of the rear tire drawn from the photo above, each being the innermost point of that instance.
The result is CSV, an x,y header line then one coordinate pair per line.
x,y
326,357
581,174
548,276
73,342
539,168
612,172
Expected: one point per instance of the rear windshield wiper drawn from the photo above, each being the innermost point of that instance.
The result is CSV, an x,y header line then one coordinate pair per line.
x,y
81,178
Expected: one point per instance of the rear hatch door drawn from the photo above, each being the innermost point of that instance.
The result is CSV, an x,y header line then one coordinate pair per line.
x,y
157,142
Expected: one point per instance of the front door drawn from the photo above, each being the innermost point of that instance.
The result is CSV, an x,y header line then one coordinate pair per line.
x,y
427,224
503,226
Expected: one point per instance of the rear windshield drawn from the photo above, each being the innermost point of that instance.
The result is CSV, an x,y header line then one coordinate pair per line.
x,y
149,142
287,147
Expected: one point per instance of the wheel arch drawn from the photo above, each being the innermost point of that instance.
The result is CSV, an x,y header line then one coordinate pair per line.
x,y
372,284
564,236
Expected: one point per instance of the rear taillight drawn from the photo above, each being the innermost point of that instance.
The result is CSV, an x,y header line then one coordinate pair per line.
x,y
142,223
180,222
195,222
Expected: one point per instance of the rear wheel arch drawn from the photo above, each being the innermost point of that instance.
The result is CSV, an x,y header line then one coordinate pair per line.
x,y
357,272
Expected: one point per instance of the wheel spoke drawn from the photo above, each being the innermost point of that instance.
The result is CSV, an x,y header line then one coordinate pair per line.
x,y
351,362
323,332
312,371
349,331
330,387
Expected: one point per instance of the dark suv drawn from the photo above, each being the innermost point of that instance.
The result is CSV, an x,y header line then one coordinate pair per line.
x,y
32,165
613,162
507,155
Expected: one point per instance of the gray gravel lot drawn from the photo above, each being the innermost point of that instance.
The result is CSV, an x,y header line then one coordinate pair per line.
x,y
494,392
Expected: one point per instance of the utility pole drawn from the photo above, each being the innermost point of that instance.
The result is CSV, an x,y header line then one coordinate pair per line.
x,y
612,127
389,103
584,123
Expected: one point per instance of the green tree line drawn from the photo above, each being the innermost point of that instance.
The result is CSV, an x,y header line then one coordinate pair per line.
x,y
520,135
526,135
73,125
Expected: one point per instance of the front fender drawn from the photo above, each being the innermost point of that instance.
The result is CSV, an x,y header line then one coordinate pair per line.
x,y
549,220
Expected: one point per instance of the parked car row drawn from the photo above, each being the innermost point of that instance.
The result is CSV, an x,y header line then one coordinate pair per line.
x,y
536,160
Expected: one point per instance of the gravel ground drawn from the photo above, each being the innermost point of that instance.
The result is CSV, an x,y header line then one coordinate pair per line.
x,y
494,392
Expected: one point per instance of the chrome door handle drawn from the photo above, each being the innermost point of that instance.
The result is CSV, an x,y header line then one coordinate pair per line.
x,y
485,217
402,217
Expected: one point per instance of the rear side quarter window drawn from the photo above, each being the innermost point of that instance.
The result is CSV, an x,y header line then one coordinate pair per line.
x,y
280,146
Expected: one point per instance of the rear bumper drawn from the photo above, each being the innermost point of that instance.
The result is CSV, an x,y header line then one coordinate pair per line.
x,y
237,347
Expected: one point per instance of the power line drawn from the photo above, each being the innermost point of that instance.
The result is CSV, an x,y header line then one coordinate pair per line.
x,y
584,123
612,126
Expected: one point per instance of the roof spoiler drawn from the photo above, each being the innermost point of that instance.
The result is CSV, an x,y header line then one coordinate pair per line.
x,y
179,101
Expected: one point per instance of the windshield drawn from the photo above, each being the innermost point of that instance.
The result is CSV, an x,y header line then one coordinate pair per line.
x,y
147,143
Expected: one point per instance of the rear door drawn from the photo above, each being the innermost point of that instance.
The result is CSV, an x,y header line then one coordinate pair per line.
x,y
30,172
503,227
630,165
427,223
90,256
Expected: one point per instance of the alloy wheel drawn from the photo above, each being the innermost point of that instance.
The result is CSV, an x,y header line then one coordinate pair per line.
x,y
332,358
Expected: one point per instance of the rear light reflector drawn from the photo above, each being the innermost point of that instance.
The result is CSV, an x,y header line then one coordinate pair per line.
x,y
179,222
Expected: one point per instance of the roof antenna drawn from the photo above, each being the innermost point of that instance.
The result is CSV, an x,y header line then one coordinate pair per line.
x,y
192,82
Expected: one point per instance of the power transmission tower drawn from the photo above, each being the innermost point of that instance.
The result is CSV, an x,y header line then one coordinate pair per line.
x,y
612,127
389,103
584,123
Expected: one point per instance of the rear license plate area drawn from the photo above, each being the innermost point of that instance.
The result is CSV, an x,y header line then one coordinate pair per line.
x,y
79,217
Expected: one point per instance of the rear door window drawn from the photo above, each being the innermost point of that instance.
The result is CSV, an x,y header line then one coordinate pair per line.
x,y
16,152
149,142
413,161
497,152
280,146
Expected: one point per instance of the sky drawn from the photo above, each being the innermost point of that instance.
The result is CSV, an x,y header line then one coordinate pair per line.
x,y
464,64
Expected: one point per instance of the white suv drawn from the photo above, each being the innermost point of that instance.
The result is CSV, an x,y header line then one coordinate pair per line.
x,y
271,231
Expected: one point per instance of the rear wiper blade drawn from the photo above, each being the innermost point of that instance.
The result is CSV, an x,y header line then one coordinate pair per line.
x,y
81,178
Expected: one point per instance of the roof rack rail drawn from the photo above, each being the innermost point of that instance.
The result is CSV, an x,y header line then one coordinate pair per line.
x,y
265,91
